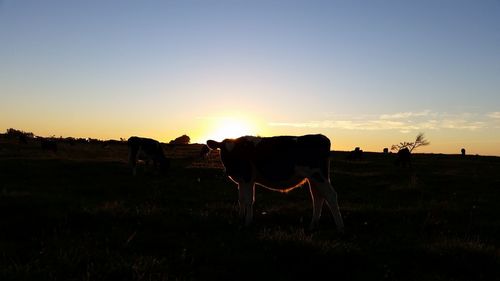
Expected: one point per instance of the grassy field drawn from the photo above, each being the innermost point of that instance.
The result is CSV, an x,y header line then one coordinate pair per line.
x,y
79,214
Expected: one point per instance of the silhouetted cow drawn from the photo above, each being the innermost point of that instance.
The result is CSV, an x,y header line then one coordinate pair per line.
x,y
204,151
404,157
48,144
146,149
356,154
280,163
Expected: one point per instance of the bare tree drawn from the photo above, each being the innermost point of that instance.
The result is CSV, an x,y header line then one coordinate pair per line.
x,y
419,141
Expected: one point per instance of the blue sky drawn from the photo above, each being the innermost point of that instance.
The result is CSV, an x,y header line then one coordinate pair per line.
x,y
365,73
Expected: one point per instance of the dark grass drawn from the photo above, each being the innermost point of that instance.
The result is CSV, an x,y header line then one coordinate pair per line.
x,y
76,215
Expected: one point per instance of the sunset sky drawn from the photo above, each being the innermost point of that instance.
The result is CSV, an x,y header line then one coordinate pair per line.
x,y
364,73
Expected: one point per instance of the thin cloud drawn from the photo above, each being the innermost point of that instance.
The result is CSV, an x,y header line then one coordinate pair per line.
x,y
405,115
494,115
404,122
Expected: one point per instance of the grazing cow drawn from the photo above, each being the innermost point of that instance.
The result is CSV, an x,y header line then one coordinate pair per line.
x,y
280,163
48,144
146,149
204,151
404,157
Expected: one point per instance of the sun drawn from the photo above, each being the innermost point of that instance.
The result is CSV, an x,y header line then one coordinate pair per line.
x,y
231,127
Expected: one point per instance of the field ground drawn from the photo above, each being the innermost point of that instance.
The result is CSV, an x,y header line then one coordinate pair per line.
x,y
79,214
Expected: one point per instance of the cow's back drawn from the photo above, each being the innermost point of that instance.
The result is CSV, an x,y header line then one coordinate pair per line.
x,y
277,158
313,150
148,146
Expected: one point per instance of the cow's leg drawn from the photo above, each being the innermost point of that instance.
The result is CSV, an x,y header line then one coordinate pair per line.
x,y
155,164
132,160
323,188
317,200
246,199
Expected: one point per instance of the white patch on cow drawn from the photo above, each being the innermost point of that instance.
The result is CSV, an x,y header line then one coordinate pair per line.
x,y
229,145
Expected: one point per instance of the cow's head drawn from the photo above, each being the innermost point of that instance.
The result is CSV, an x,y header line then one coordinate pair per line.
x,y
239,146
236,155
226,145
228,149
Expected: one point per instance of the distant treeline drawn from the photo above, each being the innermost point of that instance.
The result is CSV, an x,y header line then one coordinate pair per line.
x,y
23,137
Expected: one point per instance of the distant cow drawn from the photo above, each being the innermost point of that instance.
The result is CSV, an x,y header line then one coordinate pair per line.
x,y
48,144
146,149
404,157
356,154
280,163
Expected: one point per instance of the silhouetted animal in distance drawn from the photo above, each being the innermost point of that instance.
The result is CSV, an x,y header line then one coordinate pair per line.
x,y
403,157
356,154
280,163
146,149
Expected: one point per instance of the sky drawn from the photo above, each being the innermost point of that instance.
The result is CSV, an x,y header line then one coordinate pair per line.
x,y
366,74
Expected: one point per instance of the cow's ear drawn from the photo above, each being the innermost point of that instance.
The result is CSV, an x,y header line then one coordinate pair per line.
x,y
214,144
